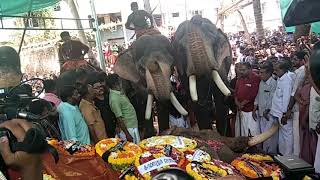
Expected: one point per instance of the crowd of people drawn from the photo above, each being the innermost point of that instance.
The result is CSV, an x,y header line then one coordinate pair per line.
x,y
272,85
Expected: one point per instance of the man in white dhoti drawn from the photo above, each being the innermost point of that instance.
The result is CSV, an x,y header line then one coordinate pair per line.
x,y
279,107
245,93
314,120
293,107
262,106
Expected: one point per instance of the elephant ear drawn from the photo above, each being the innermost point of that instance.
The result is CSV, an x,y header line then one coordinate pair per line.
x,y
223,53
126,68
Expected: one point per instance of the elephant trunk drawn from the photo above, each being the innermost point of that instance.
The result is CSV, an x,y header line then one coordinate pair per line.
x,y
264,136
158,83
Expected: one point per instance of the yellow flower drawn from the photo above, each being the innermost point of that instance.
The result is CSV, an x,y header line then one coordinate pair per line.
x,y
209,166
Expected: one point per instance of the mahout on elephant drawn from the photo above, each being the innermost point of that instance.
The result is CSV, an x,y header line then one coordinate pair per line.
x,y
203,58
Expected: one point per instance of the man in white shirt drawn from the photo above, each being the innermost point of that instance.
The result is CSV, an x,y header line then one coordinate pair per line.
x,y
279,106
262,106
293,107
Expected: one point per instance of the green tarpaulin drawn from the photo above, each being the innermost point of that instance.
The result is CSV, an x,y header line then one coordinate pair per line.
x,y
284,5
14,7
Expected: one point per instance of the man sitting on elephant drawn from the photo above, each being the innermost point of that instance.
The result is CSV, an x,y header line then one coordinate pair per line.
x,y
72,53
138,18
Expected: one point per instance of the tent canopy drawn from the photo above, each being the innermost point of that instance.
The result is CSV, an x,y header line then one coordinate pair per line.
x,y
14,7
304,11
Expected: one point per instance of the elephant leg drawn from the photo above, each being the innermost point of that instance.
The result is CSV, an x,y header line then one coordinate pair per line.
x,y
221,112
163,115
146,127
203,108
204,116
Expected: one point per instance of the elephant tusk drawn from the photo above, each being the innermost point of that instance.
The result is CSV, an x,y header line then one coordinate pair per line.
x,y
193,88
147,115
177,105
264,136
217,79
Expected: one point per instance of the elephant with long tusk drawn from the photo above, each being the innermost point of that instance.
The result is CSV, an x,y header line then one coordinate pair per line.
x,y
203,58
221,147
148,65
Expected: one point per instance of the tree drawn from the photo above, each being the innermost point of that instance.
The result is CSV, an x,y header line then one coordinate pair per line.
x,y
258,18
82,35
244,25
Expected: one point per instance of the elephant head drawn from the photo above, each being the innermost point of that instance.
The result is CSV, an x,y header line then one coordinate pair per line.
x,y
148,64
202,49
228,146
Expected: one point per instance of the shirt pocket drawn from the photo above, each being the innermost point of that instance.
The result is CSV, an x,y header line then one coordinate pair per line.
x,y
279,93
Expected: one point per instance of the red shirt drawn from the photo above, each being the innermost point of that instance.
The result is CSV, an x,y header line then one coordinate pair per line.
x,y
247,89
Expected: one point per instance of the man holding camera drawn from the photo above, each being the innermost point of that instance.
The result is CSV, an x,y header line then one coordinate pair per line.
x,y
29,165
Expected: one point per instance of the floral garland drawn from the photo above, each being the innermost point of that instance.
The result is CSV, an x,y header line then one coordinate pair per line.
x,y
181,143
47,177
122,158
255,169
258,157
158,152
205,170
61,146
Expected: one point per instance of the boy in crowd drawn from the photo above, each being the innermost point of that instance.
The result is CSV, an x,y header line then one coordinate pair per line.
x,y
71,122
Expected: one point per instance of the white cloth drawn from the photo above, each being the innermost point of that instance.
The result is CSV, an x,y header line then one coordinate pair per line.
x,y
285,137
247,122
281,98
317,159
271,144
134,132
314,109
178,122
265,93
296,135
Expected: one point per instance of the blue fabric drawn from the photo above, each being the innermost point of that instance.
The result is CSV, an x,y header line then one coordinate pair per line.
x,y
72,124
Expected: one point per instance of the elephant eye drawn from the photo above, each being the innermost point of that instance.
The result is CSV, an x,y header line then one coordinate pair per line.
x,y
142,70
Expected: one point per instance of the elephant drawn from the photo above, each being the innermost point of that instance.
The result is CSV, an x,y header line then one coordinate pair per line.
x,y
203,59
147,65
222,147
